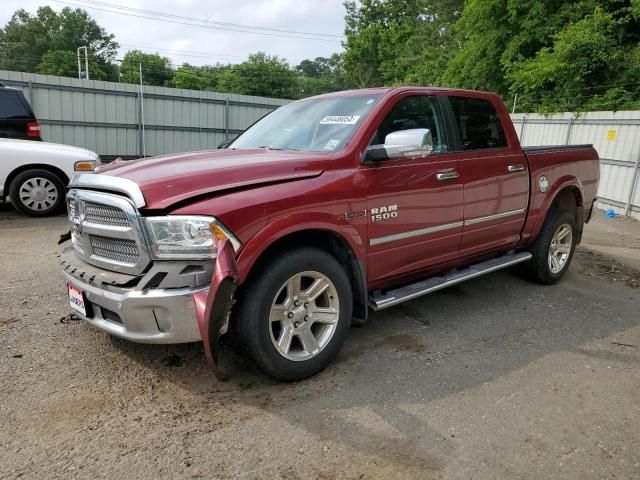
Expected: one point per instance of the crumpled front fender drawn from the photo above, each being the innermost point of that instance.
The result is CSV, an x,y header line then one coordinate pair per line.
x,y
213,307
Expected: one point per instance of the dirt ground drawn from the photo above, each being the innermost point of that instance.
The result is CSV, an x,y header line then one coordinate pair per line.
x,y
496,378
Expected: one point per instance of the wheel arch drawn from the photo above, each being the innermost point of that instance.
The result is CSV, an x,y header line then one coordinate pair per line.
x,y
567,196
335,243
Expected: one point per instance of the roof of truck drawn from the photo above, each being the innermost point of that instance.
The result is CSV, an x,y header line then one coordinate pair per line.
x,y
385,90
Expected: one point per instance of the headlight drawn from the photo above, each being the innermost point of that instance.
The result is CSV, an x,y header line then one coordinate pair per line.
x,y
186,237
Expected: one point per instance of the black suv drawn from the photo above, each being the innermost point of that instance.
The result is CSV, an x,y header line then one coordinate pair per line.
x,y
16,117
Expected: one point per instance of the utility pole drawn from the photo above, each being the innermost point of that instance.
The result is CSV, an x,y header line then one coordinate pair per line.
x,y
515,103
86,62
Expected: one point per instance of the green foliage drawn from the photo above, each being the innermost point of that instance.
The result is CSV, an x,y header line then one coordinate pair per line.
x,y
64,63
156,70
26,38
557,56
262,75
398,41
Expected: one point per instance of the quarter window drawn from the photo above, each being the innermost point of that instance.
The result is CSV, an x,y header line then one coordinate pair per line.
x,y
478,123
414,112
11,107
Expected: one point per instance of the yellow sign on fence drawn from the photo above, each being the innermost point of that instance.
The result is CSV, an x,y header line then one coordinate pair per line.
x,y
612,135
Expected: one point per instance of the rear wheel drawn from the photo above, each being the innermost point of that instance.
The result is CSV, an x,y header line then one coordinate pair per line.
x,y
553,249
37,192
295,314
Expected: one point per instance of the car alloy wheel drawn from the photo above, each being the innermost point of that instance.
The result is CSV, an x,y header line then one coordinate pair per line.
x,y
560,248
304,316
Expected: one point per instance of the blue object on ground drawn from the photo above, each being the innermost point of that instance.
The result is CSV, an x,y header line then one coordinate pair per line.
x,y
611,213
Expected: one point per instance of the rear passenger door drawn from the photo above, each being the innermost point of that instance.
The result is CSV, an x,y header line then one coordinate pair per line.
x,y
495,173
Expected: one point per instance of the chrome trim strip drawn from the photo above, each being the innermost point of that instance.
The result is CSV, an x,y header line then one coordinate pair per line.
x,y
488,218
413,233
105,182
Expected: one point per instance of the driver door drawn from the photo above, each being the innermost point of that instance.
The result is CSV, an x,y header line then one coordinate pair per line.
x,y
414,205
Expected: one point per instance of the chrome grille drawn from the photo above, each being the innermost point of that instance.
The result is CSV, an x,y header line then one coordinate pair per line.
x,y
105,215
106,231
123,251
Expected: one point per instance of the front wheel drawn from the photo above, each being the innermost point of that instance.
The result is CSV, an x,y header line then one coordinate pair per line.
x,y
553,249
37,192
295,313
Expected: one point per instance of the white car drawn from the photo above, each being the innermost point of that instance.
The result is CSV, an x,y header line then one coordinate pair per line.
x,y
35,175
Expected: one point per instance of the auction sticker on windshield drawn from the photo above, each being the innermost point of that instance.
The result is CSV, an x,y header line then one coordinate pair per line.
x,y
76,299
340,120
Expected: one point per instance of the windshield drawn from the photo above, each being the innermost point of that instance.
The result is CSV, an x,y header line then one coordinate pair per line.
x,y
316,125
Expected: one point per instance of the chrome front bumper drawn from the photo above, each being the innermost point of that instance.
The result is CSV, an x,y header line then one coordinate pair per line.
x,y
137,313
150,316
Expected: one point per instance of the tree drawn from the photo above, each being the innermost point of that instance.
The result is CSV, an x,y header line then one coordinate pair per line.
x,y
555,55
188,77
156,70
26,38
262,75
398,41
320,75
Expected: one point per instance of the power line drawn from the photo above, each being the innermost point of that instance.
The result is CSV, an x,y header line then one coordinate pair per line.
x,y
212,22
198,23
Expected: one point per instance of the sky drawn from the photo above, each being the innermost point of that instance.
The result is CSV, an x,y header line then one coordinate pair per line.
x,y
199,45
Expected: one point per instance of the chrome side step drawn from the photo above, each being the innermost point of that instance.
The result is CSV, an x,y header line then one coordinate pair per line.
x,y
423,287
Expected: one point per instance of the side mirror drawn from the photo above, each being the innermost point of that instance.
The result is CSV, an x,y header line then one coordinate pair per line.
x,y
413,143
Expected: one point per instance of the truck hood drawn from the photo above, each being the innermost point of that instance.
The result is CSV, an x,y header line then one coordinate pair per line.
x,y
170,179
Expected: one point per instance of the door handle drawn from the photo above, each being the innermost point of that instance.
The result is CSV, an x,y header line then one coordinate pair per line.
x,y
447,175
515,168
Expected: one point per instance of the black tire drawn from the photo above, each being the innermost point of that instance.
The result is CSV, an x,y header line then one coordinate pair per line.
x,y
539,268
47,206
254,329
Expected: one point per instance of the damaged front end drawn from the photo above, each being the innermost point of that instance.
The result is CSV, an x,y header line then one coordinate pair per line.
x,y
167,279
174,302
213,308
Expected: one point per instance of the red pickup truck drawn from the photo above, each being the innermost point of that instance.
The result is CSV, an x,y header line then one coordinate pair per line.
x,y
324,209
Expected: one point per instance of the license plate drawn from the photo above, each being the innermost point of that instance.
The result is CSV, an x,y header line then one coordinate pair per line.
x,y
76,299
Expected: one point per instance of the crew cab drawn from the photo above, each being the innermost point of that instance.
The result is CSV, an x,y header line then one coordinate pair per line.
x,y
323,210
34,175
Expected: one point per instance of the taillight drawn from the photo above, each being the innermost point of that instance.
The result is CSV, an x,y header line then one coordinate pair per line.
x,y
33,130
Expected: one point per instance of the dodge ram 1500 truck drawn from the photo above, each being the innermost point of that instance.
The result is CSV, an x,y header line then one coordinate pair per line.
x,y
324,209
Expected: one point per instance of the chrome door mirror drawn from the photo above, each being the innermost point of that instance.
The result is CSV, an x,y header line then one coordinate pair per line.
x,y
413,143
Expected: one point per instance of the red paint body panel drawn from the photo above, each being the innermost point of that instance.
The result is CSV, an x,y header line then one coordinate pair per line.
x,y
263,195
171,179
211,317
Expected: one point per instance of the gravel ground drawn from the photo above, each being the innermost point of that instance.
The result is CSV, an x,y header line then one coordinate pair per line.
x,y
496,378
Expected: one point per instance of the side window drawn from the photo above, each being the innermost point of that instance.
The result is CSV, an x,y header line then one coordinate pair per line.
x,y
478,123
414,112
11,107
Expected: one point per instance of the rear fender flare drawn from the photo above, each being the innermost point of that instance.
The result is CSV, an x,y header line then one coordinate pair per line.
x,y
551,194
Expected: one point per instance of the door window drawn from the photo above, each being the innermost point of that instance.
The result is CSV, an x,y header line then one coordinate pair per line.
x,y
478,123
414,112
11,107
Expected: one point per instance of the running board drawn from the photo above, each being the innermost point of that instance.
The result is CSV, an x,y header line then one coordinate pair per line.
x,y
423,287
